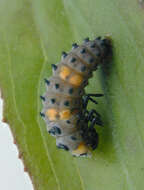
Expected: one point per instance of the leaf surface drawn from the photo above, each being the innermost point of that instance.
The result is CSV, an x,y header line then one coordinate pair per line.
x,y
32,36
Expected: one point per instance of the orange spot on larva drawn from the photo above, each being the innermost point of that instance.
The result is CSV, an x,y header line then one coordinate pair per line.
x,y
81,149
65,114
52,114
65,72
76,79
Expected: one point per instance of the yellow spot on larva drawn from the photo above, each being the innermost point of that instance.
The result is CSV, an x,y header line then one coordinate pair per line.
x,y
81,149
65,72
76,80
65,114
52,114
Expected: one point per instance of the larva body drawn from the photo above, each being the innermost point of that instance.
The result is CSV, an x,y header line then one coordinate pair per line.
x,y
64,109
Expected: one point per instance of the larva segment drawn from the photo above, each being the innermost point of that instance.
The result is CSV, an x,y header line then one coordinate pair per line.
x,y
69,123
61,87
71,141
61,128
85,56
74,63
56,113
70,76
94,49
62,102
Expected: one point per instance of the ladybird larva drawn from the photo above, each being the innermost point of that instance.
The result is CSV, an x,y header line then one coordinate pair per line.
x,y
65,101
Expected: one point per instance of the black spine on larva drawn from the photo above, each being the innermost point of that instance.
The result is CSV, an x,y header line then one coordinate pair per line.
x,y
65,89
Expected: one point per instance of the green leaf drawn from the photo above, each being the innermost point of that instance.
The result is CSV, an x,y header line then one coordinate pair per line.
x,y
32,36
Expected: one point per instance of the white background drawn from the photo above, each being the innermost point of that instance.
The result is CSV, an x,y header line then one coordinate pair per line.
x,y
12,175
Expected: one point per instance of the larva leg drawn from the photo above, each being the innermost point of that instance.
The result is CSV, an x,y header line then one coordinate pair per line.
x,y
93,113
97,121
95,95
90,115
89,133
92,100
88,98
94,118
91,137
